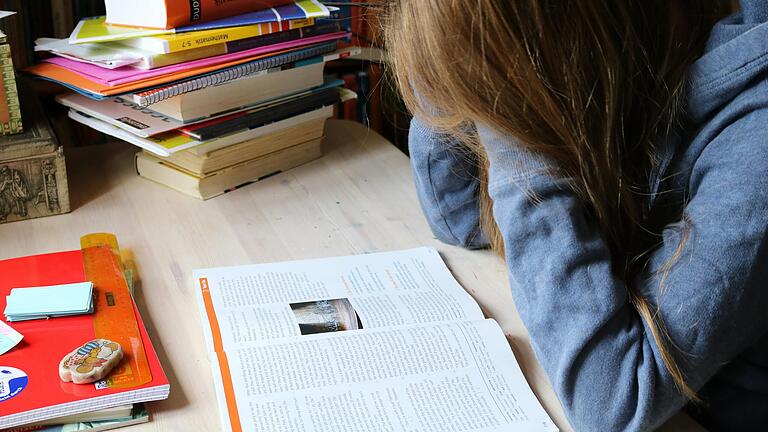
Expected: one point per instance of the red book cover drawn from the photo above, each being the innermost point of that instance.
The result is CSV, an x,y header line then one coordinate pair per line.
x,y
179,13
30,387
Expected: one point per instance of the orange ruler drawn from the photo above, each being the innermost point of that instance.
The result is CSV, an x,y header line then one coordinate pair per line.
x,y
114,316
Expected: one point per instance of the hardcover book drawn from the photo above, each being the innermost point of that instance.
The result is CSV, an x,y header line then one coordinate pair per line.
x,y
176,13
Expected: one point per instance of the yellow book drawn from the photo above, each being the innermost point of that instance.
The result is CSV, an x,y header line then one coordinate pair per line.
x,y
216,183
166,44
247,150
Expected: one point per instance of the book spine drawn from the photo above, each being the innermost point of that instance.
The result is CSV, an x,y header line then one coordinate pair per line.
x,y
185,12
152,61
283,36
10,111
260,41
186,41
262,117
259,66
320,29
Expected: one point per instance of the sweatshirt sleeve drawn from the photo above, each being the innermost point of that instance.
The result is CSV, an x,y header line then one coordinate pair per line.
x,y
597,351
446,178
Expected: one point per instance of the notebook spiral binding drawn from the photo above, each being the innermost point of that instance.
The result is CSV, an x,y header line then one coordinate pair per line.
x,y
149,97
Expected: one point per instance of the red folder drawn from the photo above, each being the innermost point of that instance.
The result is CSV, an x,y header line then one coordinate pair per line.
x,y
30,387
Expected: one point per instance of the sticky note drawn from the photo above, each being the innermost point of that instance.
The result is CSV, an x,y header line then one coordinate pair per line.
x,y
49,301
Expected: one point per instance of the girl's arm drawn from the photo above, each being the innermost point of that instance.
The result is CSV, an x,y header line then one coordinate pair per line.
x,y
597,351
446,177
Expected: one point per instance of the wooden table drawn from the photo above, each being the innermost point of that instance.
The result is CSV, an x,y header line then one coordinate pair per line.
x,y
357,198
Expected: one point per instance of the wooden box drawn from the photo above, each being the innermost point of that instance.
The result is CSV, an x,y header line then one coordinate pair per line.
x,y
33,175
33,187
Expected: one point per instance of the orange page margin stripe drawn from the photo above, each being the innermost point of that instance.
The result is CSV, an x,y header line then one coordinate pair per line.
x,y
226,375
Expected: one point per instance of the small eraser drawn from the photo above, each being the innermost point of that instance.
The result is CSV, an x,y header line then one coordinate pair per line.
x,y
90,362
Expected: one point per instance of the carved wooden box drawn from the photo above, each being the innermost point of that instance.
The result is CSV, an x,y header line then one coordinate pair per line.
x,y
33,187
33,175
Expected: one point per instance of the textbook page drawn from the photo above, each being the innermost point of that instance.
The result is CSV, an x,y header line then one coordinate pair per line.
x,y
289,299
429,378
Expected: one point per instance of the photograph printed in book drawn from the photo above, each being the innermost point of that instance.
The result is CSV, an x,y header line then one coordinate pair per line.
x,y
324,316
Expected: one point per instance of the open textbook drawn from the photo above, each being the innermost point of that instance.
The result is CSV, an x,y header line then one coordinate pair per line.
x,y
378,342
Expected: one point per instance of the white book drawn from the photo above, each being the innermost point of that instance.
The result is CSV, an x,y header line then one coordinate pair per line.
x,y
238,94
122,134
110,55
385,341
209,146
165,148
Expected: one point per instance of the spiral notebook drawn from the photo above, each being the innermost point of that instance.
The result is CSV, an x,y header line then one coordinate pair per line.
x,y
324,52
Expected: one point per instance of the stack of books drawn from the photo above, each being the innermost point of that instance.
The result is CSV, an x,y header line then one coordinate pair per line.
x,y
217,94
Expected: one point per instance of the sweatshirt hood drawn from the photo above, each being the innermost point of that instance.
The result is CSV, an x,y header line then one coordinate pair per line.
x,y
736,53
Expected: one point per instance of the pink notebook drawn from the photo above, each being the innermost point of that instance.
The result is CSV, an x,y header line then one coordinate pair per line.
x,y
128,74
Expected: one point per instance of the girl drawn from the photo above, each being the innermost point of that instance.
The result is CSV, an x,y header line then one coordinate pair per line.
x,y
615,154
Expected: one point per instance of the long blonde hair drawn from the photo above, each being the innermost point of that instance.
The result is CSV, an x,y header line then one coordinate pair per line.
x,y
590,85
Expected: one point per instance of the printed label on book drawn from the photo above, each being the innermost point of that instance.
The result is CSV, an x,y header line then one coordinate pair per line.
x,y
12,382
132,123
194,10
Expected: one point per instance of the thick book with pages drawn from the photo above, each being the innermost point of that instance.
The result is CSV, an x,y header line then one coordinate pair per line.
x,y
215,97
233,128
386,341
318,53
171,43
266,143
205,186
111,82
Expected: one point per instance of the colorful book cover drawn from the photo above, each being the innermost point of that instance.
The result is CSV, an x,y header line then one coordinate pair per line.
x,y
126,75
121,113
101,54
112,55
97,30
299,10
177,13
30,387
158,144
70,79
169,43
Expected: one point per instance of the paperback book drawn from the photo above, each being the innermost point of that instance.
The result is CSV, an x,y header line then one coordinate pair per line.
x,y
385,340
